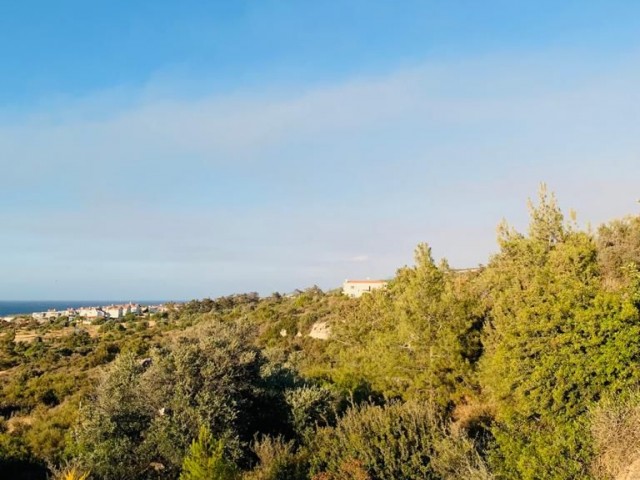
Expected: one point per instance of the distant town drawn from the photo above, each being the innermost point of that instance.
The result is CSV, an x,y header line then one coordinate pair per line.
x,y
91,314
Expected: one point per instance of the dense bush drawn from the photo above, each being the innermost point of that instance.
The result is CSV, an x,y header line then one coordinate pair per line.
x,y
278,460
393,441
149,412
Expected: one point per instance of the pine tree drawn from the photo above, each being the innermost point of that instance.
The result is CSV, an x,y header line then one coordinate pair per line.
x,y
556,341
206,460
417,339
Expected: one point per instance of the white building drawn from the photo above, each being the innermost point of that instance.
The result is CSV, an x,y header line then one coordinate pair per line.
x,y
40,316
113,311
131,308
48,315
356,288
53,314
92,312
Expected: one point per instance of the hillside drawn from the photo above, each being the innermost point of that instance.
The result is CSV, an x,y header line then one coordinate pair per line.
x,y
526,368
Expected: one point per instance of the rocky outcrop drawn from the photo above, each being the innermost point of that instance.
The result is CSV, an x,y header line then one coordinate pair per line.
x,y
320,330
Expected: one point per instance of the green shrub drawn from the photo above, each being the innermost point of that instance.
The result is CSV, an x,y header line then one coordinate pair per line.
x,y
310,406
393,441
278,460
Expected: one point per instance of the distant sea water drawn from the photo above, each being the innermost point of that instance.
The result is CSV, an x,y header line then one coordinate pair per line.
x,y
23,307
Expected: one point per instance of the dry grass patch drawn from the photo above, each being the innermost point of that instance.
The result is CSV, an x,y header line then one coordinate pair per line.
x,y
615,426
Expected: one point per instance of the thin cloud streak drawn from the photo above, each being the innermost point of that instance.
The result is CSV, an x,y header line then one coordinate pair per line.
x,y
264,192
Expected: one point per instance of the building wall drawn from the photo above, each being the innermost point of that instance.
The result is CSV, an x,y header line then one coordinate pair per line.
x,y
91,312
114,312
357,288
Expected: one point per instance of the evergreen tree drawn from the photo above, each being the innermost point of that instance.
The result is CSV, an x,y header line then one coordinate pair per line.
x,y
556,341
418,339
206,460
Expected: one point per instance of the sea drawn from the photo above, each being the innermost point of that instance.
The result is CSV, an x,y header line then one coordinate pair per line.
x,y
8,308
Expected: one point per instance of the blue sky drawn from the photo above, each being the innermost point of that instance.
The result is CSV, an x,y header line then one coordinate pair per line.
x,y
189,149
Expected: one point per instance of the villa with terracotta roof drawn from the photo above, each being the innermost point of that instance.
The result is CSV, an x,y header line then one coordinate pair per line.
x,y
356,288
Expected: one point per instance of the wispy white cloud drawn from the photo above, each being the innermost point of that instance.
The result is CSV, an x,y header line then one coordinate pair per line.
x,y
214,131
259,183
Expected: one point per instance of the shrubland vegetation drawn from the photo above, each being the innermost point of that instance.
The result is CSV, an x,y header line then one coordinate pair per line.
x,y
526,368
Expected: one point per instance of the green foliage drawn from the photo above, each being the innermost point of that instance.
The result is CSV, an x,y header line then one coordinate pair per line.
x,y
206,460
47,434
618,246
16,457
541,450
278,460
418,339
310,406
104,353
556,342
394,441
349,469
9,356
109,437
211,378
148,412
456,456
